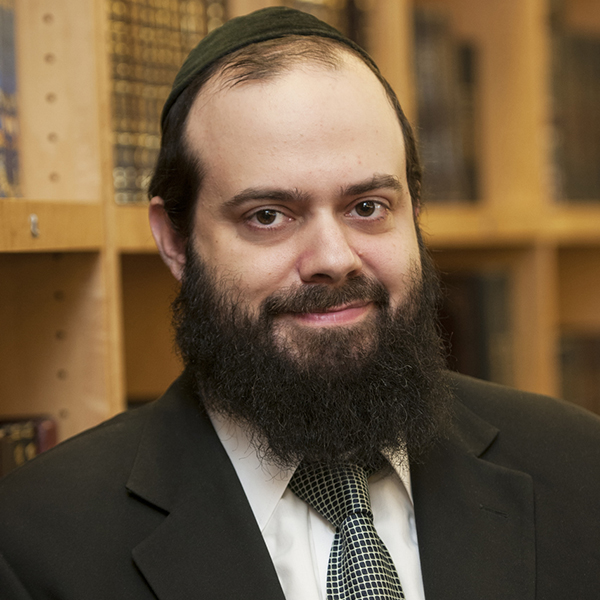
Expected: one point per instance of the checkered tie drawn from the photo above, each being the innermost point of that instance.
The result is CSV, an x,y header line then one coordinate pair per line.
x,y
360,565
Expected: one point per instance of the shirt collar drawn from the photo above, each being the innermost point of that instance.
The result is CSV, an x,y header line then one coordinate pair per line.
x,y
264,483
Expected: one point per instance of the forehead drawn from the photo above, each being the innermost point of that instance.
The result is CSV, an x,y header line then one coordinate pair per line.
x,y
308,119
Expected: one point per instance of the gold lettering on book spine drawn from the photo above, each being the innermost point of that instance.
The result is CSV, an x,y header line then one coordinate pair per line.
x,y
149,41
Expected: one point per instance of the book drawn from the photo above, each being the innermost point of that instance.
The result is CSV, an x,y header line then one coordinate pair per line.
x,y
148,46
446,85
575,99
22,439
9,122
346,16
476,324
580,370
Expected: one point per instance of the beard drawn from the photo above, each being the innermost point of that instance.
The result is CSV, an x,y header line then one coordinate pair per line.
x,y
330,395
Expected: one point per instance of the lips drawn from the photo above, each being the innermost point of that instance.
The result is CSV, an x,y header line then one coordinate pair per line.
x,y
338,315
348,306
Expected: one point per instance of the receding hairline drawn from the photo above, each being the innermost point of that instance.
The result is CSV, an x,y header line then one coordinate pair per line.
x,y
286,55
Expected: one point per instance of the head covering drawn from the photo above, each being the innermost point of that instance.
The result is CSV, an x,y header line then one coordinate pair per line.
x,y
265,24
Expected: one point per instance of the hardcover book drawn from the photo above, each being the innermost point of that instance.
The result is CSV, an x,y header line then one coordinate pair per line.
x,y
9,123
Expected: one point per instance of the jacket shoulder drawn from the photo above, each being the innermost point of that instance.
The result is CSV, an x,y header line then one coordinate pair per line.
x,y
532,425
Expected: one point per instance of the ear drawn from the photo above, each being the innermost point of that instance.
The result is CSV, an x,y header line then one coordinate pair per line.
x,y
170,244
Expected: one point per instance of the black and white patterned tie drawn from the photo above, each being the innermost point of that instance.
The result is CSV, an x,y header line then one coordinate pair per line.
x,y
360,565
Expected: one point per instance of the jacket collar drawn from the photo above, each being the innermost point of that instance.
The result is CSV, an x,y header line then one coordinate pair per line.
x,y
188,553
475,521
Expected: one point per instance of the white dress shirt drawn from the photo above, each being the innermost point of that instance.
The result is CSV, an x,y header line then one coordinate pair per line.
x,y
299,539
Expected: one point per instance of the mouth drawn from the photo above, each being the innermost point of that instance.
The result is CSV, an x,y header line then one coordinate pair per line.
x,y
345,314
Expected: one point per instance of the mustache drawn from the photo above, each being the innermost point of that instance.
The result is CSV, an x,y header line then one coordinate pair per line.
x,y
311,298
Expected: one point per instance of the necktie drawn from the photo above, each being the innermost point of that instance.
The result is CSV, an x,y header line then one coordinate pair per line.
x,y
360,565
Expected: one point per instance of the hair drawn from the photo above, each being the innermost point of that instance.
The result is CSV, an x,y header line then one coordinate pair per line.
x,y
179,173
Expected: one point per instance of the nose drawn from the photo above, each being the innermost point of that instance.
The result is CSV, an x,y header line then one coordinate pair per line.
x,y
328,255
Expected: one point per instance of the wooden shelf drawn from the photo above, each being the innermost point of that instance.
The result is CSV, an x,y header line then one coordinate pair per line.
x,y
479,225
473,225
72,226
133,229
575,224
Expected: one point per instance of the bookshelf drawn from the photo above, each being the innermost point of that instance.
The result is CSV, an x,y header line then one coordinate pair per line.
x,y
84,296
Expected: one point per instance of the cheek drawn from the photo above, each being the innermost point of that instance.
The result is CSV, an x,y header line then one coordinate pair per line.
x,y
391,258
393,264
255,271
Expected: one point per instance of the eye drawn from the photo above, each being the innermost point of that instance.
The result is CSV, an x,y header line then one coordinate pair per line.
x,y
266,216
370,209
366,208
267,219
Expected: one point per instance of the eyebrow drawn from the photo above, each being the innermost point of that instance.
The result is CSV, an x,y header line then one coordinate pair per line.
x,y
377,182
274,194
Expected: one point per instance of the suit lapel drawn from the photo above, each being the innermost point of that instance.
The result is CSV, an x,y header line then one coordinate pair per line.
x,y
209,528
475,521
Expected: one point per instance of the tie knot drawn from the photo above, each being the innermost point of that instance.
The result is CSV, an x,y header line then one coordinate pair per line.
x,y
334,492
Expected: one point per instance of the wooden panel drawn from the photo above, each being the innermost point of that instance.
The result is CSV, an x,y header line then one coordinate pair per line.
x,y
579,298
52,346
150,361
114,365
56,62
466,225
59,226
536,321
237,8
133,229
574,224
390,43
583,15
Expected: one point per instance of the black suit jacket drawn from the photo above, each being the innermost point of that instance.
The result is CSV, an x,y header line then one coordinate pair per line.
x,y
148,505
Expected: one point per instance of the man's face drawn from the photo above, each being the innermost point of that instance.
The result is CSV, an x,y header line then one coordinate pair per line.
x,y
306,310
305,183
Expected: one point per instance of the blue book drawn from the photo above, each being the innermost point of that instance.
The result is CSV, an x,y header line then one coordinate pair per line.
x,y
9,124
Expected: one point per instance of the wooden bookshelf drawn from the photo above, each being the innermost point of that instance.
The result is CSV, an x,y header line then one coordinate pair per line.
x,y
84,301
42,226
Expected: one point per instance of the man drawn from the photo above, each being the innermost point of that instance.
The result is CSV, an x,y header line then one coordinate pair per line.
x,y
286,201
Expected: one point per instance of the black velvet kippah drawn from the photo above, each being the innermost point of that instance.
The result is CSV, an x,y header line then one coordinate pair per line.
x,y
265,24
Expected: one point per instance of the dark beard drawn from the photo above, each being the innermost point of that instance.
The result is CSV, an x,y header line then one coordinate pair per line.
x,y
340,394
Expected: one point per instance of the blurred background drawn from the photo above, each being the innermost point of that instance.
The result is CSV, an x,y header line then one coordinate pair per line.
x,y
505,99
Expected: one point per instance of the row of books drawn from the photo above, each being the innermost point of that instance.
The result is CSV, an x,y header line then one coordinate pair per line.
x,y
446,87
476,323
9,124
23,439
576,108
447,99
580,368
149,42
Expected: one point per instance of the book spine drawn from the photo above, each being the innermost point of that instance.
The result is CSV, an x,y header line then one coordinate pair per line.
x,y
17,445
9,124
23,439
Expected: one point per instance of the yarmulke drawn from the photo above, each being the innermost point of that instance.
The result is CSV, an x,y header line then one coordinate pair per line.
x,y
261,25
